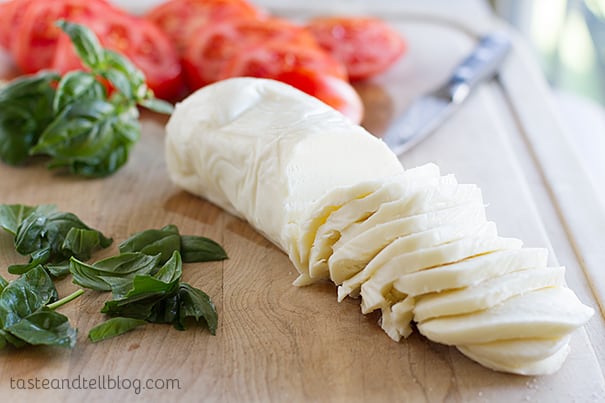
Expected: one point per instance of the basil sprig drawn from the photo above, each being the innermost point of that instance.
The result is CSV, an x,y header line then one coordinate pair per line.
x,y
27,312
73,119
50,237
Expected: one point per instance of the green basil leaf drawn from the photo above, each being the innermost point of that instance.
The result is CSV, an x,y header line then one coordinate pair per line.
x,y
172,270
201,249
76,86
157,105
166,310
44,327
113,327
124,75
164,241
196,304
85,43
7,337
12,215
86,276
81,242
3,283
38,257
26,105
58,270
112,272
26,295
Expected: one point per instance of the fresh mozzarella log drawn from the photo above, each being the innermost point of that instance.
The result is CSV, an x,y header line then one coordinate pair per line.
x,y
470,271
545,313
252,145
486,294
339,203
352,256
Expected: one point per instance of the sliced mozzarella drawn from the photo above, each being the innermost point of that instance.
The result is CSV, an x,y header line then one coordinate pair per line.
x,y
373,291
470,271
396,319
234,143
348,259
446,194
486,294
516,353
546,313
544,366
359,209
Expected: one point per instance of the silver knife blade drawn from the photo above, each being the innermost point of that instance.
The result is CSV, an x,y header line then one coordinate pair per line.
x,y
429,111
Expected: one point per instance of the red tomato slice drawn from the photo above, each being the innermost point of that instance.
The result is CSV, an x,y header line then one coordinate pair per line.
x,y
179,19
367,46
141,42
276,57
11,14
337,93
36,39
213,46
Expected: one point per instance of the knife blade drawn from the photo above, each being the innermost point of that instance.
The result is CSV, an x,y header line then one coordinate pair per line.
x,y
429,111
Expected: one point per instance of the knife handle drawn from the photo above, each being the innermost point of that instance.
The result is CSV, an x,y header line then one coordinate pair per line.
x,y
480,65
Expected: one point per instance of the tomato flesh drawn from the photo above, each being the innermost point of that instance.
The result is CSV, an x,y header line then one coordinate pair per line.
x,y
367,46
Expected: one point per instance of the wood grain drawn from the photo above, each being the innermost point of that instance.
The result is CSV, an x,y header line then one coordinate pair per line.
x,y
276,342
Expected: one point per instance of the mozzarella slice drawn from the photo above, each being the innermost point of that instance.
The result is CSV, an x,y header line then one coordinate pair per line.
x,y
373,291
236,144
486,294
516,353
447,193
544,366
396,319
348,259
546,313
470,271
358,209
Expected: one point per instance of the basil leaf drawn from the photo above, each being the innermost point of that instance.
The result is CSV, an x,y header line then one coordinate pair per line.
x,y
201,249
44,327
3,283
153,241
172,270
38,257
113,327
112,272
196,304
157,105
26,105
12,215
127,78
58,270
26,295
81,242
77,86
85,43
7,337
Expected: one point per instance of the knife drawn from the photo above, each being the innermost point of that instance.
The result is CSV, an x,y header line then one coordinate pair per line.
x,y
427,112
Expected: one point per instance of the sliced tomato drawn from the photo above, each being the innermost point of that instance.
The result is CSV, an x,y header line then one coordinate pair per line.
x,y
276,57
212,47
367,46
141,42
11,13
34,44
179,19
333,91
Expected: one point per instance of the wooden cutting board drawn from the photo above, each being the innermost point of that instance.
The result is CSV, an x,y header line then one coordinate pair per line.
x,y
276,342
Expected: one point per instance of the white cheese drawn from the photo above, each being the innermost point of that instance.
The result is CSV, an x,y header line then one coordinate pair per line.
x,y
373,291
333,197
486,294
265,151
354,256
470,271
546,313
